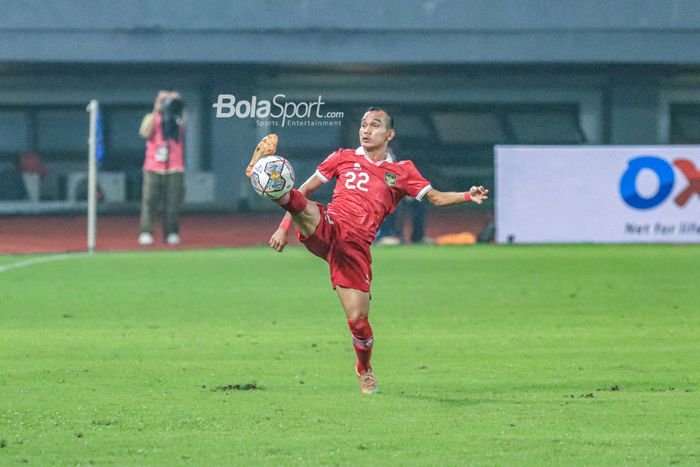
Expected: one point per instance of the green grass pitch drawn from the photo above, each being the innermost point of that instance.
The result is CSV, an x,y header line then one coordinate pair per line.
x,y
540,355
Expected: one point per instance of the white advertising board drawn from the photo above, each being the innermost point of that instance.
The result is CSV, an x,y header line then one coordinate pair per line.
x,y
606,194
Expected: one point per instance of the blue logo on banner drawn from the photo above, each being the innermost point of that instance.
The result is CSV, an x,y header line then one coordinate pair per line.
x,y
628,188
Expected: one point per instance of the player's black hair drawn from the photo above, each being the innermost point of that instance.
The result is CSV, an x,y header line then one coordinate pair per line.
x,y
389,118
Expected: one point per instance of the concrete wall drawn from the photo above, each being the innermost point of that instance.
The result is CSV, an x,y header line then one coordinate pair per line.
x,y
338,32
616,106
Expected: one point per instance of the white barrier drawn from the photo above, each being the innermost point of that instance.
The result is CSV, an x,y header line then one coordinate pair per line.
x,y
113,185
606,194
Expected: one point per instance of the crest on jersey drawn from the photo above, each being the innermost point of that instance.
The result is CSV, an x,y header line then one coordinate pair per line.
x,y
357,166
390,179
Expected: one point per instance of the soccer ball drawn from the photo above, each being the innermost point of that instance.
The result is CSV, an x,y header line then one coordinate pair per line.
x,y
272,177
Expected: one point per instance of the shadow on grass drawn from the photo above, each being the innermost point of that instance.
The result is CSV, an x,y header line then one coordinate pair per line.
x,y
452,401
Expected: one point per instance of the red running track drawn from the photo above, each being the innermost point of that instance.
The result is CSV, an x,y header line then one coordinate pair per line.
x,y
52,234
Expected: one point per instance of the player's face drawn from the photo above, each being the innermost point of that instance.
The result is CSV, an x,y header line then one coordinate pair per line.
x,y
373,131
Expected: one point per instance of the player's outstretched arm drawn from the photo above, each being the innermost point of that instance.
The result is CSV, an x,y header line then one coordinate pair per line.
x,y
279,239
476,194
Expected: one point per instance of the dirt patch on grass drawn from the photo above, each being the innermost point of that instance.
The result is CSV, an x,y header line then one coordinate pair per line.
x,y
238,387
613,388
105,422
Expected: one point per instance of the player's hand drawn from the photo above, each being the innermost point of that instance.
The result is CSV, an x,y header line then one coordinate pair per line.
x,y
279,240
478,194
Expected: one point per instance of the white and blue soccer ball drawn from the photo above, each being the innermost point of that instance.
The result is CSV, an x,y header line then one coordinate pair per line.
x,y
272,177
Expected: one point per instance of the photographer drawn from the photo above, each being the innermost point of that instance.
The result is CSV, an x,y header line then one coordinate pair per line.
x,y
163,168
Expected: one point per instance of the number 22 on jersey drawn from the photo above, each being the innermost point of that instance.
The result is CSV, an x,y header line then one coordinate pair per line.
x,y
356,181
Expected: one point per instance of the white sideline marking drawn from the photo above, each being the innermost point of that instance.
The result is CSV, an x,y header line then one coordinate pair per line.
x,y
40,260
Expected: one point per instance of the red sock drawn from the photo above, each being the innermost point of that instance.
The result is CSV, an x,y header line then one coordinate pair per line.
x,y
294,201
363,340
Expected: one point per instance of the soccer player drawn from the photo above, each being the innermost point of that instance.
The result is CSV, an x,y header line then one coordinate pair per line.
x,y
368,188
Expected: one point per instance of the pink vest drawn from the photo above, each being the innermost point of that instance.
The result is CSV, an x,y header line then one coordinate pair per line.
x,y
163,156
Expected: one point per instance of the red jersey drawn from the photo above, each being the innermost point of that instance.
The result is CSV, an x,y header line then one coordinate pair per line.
x,y
367,190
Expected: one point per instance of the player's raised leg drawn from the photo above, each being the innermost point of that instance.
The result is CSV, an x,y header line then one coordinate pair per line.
x,y
266,147
356,305
306,215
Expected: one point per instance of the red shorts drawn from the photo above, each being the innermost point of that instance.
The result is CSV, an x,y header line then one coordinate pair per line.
x,y
349,258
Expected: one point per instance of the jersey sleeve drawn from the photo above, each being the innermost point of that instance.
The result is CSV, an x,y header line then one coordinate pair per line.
x,y
415,185
328,169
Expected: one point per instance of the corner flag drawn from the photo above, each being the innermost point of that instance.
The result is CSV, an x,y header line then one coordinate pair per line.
x,y
99,138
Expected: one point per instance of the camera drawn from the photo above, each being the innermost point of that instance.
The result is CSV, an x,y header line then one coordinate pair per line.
x,y
171,109
172,106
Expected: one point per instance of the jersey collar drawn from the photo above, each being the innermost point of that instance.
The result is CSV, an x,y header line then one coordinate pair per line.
x,y
361,152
